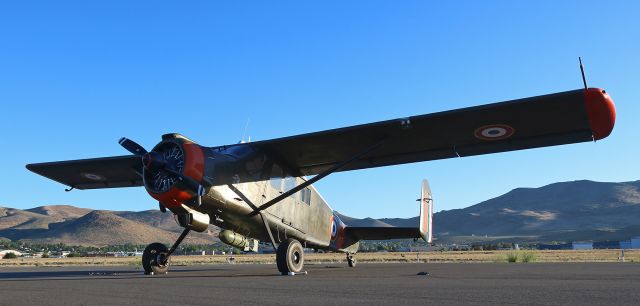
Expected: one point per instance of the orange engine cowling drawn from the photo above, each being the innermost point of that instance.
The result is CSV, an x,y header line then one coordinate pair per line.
x,y
180,155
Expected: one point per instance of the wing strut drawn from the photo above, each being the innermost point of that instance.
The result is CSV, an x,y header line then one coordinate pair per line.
x,y
314,179
255,208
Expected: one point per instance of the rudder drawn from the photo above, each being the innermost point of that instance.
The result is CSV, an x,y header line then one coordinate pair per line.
x,y
426,212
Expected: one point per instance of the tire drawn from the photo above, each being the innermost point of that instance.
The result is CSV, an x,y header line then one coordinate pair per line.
x,y
152,258
290,256
281,253
351,262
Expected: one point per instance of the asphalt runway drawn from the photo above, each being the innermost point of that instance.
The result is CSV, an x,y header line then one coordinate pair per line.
x,y
391,284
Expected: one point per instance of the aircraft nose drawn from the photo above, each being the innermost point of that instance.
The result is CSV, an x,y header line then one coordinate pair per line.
x,y
601,112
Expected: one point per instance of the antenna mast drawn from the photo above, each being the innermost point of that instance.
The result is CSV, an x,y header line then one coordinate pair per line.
x,y
584,80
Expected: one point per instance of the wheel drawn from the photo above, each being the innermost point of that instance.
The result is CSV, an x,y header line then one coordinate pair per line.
x,y
290,256
281,254
351,261
153,259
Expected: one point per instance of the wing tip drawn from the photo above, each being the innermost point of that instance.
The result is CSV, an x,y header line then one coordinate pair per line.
x,y
601,112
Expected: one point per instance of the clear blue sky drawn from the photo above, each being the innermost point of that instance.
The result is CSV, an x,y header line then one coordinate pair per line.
x,y
77,76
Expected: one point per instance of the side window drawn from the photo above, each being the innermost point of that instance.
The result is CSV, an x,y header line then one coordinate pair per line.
x,y
305,196
276,177
289,183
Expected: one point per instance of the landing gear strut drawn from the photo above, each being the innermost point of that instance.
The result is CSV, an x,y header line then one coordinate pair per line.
x,y
155,258
290,256
351,260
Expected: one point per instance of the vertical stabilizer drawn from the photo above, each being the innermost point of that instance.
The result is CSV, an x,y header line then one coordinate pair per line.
x,y
426,212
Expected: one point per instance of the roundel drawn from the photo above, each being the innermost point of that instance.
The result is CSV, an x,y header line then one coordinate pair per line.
x,y
334,229
494,132
93,177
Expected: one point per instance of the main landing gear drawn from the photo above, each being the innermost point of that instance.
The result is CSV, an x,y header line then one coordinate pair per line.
x,y
290,257
155,258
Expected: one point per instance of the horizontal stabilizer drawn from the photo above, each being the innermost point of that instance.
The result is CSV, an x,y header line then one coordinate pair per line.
x,y
422,230
381,233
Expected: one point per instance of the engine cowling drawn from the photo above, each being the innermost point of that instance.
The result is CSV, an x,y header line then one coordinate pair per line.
x,y
173,155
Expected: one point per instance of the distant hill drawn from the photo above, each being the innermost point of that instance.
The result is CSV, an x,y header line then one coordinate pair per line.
x,y
362,222
105,228
153,218
81,226
567,211
11,218
61,212
559,210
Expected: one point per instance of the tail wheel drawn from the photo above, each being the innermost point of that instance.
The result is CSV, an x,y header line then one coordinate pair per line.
x,y
290,256
154,259
351,261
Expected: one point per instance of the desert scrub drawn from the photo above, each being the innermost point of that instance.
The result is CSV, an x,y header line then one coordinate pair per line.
x,y
512,257
10,256
529,256
521,256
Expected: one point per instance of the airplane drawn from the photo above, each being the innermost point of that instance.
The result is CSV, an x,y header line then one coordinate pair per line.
x,y
263,190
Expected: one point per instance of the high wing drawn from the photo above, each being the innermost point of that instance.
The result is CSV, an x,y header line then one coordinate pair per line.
x,y
105,172
561,118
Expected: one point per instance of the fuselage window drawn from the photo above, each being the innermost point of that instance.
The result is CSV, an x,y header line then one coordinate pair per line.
x,y
305,196
276,177
289,183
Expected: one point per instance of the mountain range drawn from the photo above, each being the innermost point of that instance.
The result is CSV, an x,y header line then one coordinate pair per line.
x,y
82,226
567,211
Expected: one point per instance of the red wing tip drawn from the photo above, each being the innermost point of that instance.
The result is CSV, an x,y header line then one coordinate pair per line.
x,y
601,112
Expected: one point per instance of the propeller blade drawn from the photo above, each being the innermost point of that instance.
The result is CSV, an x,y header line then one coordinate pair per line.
x,y
132,146
191,183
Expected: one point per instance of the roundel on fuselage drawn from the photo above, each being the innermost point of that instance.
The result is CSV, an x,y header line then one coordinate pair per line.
x,y
334,229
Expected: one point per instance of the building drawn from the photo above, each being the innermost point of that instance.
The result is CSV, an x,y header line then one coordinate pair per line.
x,y
606,245
582,245
560,246
567,246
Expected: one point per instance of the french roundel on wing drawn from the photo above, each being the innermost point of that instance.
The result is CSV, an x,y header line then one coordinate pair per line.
x,y
494,132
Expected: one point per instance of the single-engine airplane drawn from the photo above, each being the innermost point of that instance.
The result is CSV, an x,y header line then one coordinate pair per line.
x,y
258,191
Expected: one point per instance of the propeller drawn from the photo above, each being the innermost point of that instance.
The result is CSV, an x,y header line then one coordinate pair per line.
x,y
132,146
155,161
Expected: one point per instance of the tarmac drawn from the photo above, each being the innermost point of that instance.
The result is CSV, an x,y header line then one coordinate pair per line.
x,y
328,284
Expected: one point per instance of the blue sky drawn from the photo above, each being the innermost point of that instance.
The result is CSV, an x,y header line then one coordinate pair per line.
x,y
77,76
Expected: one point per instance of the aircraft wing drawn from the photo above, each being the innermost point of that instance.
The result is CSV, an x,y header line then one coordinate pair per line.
x,y
561,118
105,172
381,233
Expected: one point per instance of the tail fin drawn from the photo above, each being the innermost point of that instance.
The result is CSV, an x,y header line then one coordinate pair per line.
x,y
426,212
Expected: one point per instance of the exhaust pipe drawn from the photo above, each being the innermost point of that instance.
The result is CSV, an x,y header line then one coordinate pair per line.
x,y
194,220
